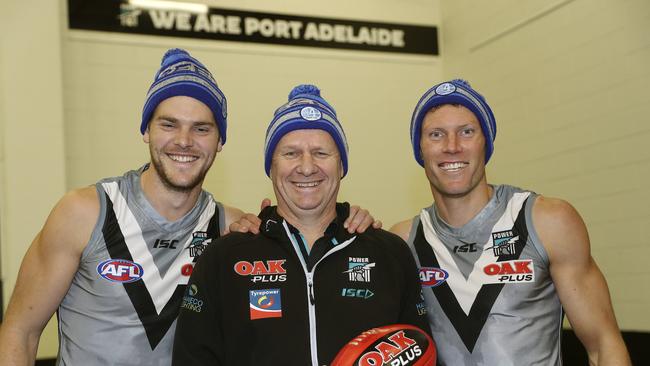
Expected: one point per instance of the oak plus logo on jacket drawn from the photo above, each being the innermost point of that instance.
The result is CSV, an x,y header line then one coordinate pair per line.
x,y
262,271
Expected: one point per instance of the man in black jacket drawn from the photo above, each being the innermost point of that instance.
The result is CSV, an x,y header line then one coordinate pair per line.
x,y
298,291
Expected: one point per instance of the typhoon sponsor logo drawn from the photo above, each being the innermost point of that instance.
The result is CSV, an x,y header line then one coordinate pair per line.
x,y
517,271
399,350
432,277
265,303
120,270
262,271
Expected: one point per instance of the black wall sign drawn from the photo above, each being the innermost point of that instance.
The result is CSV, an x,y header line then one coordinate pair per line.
x,y
245,26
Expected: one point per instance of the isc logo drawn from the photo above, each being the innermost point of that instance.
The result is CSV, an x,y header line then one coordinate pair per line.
x,y
432,277
362,293
120,270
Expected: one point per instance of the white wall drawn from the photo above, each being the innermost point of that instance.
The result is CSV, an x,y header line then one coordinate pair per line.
x,y
568,84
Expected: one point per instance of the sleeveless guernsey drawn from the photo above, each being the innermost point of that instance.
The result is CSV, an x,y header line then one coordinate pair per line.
x,y
123,301
487,285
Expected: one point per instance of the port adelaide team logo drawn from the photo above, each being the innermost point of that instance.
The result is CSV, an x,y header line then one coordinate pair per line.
x,y
120,270
503,243
359,269
198,244
262,271
265,303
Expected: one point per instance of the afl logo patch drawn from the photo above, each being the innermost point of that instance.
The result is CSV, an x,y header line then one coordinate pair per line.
x,y
446,88
120,270
432,277
310,114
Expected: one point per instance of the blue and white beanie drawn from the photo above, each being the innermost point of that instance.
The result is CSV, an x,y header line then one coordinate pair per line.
x,y
182,75
305,110
456,91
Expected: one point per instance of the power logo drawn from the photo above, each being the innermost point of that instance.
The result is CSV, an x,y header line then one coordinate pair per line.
x,y
199,243
262,271
517,271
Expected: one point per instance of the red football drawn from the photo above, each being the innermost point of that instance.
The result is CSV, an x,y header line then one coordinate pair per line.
x,y
391,345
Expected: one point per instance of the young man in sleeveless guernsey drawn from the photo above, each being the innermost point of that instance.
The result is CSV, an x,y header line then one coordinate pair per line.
x,y
113,259
498,264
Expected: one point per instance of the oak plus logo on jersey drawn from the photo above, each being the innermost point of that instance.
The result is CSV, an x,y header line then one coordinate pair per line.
x,y
432,277
517,271
262,271
120,270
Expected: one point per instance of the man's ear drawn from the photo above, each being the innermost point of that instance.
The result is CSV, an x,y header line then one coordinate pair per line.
x,y
219,145
145,137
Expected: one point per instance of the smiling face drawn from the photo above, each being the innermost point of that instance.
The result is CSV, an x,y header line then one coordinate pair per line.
x,y
453,149
183,141
306,173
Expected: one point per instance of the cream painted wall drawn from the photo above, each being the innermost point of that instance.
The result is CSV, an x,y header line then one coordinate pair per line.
x,y
31,132
568,84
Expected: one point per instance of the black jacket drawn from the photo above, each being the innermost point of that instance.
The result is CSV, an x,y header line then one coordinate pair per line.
x,y
252,300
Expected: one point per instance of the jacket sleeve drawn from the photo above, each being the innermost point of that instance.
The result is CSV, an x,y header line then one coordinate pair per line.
x,y
414,309
199,337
